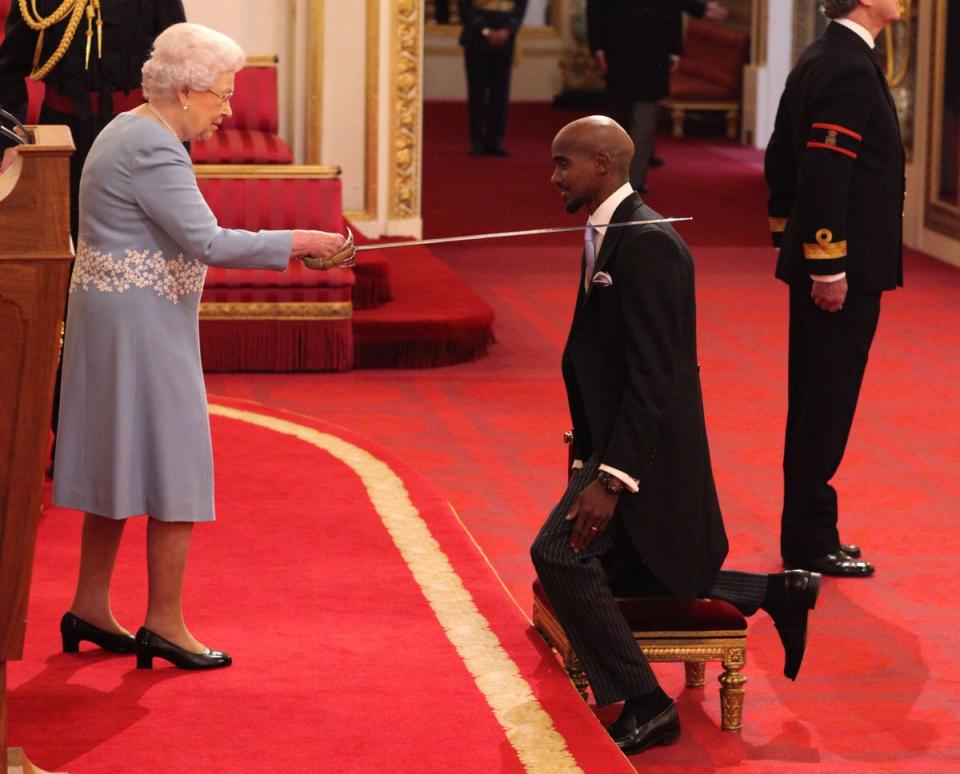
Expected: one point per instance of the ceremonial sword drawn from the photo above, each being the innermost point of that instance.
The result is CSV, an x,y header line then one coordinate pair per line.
x,y
507,234
336,260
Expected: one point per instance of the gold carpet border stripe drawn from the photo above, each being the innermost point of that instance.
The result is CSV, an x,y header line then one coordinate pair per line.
x,y
528,728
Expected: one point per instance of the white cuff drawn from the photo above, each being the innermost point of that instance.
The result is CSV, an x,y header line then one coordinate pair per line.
x,y
828,277
632,484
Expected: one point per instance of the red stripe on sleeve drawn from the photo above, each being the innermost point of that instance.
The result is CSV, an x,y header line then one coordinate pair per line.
x,y
836,148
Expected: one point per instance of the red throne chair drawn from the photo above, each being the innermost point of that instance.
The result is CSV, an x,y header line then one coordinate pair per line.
x,y
709,76
257,320
249,136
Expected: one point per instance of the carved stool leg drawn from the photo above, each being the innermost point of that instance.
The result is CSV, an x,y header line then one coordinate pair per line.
x,y
696,673
676,116
572,664
731,690
732,121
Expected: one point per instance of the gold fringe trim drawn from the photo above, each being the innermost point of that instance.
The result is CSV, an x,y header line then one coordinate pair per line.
x,y
778,225
276,310
528,728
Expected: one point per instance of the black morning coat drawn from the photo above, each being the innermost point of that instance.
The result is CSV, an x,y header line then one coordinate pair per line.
x,y
835,168
633,385
637,38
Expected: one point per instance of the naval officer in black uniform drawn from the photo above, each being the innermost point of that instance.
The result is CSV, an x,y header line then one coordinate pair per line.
x,y
835,170
489,33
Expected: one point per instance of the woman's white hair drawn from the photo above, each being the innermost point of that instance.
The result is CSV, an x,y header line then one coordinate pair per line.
x,y
189,55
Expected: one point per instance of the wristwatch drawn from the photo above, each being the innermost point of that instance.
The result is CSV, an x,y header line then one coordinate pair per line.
x,y
611,483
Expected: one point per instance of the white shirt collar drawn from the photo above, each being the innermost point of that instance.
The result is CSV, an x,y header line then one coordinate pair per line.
x,y
862,31
605,211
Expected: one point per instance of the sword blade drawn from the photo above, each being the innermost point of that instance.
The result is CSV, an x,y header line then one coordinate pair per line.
x,y
509,234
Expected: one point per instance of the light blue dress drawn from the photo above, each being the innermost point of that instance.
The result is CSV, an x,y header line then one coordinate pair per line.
x,y
134,434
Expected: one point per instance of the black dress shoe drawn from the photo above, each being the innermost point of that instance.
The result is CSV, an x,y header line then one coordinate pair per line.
x,y
851,550
838,565
497,152
794,602
73,629
656,161
661,729
150,645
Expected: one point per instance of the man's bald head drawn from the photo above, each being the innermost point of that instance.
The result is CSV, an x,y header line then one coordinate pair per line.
x,y
595,135
593,156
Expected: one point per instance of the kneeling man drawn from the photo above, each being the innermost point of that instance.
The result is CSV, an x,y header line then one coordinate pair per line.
x,y
641,506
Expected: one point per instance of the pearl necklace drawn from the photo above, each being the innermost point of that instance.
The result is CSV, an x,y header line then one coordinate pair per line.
x,y
163,120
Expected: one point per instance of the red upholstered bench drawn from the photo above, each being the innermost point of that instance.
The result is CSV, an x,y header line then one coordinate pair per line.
x,y
670,629
709,76
257,320
249,136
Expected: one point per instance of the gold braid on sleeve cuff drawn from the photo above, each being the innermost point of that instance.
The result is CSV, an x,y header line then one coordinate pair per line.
x,y
825,249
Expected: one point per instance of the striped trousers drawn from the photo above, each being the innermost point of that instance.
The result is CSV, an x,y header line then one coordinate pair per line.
x,y
578,587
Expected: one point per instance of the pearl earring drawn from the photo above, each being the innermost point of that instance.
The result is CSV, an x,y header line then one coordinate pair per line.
x,y
186,106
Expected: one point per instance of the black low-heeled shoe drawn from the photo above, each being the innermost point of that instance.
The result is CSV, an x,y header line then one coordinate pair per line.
x,y
73,629
150,645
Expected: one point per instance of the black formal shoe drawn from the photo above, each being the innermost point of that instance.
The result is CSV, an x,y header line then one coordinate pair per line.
x,y
73,629
656,161
476,151
850,550
795,600
150,645
497,152
661,729
838,565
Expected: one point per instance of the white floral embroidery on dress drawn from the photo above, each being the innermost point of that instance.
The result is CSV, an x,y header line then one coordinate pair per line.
x,y
171,279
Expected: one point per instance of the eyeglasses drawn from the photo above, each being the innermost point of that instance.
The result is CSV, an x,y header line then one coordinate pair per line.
x,y
224,98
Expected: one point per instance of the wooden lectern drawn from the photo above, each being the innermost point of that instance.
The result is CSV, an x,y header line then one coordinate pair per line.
x,y
35,256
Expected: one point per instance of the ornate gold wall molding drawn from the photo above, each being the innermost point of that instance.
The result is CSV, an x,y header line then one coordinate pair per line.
x,y
406,89
314,81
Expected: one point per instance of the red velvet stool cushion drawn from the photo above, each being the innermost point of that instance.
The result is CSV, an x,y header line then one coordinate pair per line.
x,y
668,614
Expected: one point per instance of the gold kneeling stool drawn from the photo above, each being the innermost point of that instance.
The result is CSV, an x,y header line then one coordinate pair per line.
x,y
669,629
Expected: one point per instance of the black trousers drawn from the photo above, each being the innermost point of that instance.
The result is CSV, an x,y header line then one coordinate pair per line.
x,y
827,359
639,119
580,592
488,92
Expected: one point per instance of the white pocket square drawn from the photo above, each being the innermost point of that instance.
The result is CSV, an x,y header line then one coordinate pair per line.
x,y
602,278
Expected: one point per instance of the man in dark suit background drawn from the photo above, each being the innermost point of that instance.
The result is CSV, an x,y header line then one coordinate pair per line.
x,y
641,508
835,170
635,43
489,34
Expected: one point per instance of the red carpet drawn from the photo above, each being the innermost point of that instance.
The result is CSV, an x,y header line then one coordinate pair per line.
x,y
356,609
878,690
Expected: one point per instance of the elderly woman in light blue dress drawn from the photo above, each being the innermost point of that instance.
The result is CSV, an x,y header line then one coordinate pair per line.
x,y
134,434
